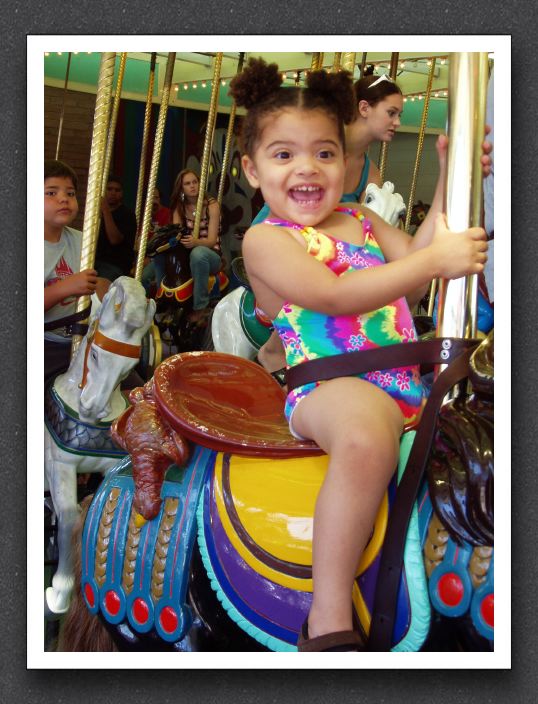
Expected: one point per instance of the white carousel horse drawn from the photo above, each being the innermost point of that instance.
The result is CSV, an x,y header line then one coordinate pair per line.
x,y
80,407
227,328
383,201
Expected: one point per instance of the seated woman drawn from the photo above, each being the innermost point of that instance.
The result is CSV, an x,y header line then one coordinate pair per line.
x,y
205,257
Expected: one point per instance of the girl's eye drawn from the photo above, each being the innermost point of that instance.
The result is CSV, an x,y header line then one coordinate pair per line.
x,y
282,154
50,193
71,194
325,154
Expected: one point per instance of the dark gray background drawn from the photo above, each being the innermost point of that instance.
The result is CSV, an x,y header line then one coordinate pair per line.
x,y
248,17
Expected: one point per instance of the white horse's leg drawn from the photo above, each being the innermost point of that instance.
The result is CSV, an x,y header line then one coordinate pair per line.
x,y
62,478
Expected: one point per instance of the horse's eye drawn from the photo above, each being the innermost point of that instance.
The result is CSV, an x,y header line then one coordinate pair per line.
x,y
369,199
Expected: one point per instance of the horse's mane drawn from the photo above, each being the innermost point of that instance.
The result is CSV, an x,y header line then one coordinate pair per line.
x,y
81,631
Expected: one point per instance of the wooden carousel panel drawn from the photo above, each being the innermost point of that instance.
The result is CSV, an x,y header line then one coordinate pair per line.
x,y
226,403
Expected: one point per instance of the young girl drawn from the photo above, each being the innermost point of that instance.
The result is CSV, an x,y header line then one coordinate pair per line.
x,y
331,285
379,104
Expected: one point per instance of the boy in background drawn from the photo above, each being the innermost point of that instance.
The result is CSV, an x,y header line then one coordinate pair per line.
x,y
64,283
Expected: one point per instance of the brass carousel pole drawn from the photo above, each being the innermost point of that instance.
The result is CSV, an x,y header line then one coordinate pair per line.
x,y
113,121
420,145
145,138
317,61
363,63
60,126
467,89
337,60
159,134
229,136
92,209
348,62
384,147
206,157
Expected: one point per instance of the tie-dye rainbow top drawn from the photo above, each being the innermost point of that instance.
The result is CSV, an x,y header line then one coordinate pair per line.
x,y
307,335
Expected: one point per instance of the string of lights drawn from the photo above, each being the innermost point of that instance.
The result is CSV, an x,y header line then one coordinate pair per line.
x,y
298,75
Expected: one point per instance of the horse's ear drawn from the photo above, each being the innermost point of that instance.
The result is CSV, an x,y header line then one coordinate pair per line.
x,y
108,306
150,311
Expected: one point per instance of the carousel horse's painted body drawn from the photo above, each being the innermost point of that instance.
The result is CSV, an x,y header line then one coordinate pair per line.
x,y
239,327
80,406
237,514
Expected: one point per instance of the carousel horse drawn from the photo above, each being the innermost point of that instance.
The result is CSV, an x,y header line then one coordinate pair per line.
x,y
80,406
383,201
175,289
224,544
239,327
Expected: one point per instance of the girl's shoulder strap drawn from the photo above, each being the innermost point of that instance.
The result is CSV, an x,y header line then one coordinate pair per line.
x,y
306,232
354,212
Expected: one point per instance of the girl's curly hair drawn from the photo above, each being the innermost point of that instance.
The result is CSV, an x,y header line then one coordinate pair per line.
x,y
259,89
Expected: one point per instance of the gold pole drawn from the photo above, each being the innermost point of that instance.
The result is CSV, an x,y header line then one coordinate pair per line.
x,y
206,157
113,120
384,147
145,137
229,137
60,126
348,62
431,299
90,228
337,61
467,89
420,146
363,63
317,61
159,134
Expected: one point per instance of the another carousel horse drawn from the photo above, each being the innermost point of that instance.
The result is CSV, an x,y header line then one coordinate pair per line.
x,y
175,287
239,327
246,494
80,406
383,201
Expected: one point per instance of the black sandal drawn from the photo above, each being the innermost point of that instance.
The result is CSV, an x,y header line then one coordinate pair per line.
x,y
337,642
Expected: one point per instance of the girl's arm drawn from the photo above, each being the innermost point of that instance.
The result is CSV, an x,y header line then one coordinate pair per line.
x,y
280,270
397,244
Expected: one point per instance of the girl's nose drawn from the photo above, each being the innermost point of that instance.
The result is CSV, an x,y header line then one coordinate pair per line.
x,y
307,165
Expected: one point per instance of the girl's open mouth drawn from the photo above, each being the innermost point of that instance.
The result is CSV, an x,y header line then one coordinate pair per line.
x,y
306,195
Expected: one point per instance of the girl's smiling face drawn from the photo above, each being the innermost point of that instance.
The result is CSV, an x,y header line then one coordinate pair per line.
x,y
298,164
384,117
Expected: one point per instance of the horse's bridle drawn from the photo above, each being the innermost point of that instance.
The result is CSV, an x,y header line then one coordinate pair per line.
x,y
96,337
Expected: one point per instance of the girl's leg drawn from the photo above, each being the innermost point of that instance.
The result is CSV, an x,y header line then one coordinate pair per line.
x,y
359,427
203,261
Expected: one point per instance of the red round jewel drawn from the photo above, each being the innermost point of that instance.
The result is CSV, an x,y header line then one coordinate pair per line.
x,y
486,609
88,593
112,603
140,610
450,589
168,619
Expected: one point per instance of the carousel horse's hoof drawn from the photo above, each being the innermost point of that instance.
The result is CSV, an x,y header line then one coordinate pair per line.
x,y
56,603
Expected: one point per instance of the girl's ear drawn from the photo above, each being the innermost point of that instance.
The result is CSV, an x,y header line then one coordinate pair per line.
x,y
250,171
364,108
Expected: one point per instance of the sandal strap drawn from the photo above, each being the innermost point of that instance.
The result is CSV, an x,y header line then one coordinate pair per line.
x,y
337,641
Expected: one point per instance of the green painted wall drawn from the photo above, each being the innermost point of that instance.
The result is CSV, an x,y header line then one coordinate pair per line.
x,y
84,68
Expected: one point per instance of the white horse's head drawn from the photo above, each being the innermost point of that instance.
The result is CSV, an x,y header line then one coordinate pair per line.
x,y
113,351
383,201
